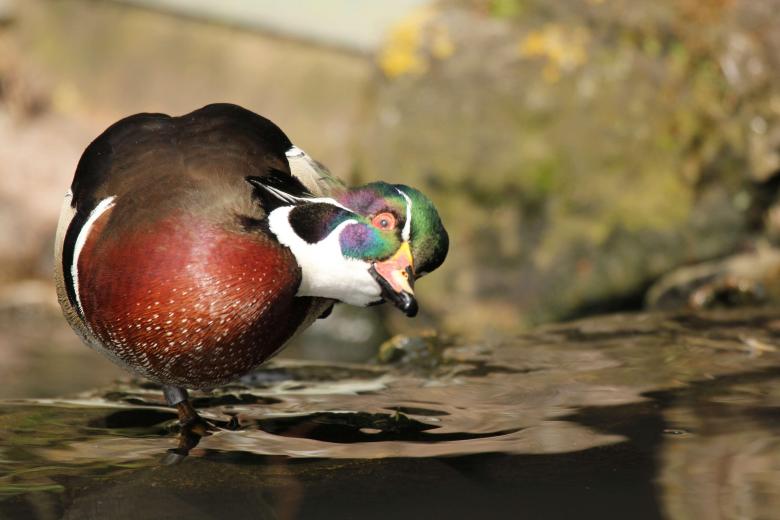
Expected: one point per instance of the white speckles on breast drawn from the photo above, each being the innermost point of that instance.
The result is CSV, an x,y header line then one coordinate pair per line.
x,y
204,322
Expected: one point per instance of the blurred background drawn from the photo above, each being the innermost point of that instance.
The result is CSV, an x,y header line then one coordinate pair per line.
x,y
587,156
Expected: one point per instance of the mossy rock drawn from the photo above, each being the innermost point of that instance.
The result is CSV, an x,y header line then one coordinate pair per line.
x,y
576,151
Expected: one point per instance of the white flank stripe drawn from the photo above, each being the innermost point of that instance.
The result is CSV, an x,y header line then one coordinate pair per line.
x,y
81,239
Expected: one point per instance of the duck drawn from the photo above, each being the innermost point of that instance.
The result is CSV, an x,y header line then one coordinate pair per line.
x,y
191,249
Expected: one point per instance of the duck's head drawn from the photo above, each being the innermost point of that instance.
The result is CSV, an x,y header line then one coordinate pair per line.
x,y
365,245
399,236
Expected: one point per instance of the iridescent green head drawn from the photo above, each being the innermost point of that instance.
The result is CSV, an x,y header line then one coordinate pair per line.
x,y
394,214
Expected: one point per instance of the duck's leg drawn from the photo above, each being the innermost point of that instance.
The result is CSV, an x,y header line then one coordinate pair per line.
x,y
178,397
193,426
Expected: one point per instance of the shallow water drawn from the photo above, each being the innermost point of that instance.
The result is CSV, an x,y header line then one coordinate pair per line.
x,y
620,417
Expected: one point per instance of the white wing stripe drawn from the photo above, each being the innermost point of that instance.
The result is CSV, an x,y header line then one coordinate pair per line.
x,y
286,197
294,151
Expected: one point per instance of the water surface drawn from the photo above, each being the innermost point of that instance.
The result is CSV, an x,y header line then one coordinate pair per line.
x,y
629,416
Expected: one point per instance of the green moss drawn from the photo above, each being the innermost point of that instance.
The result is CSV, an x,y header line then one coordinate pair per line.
x,y
507,8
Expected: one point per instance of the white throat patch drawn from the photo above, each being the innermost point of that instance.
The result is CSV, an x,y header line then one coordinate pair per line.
x,y
325,272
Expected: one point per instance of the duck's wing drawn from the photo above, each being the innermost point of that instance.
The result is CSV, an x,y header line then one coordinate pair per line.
x,y
313,174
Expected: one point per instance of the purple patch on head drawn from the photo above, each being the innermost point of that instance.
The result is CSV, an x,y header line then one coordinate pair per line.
x,y
362,241
365,201
354,236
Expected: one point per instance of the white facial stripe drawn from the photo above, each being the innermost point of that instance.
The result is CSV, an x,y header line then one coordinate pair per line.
x,y
328,200
406,232
103,206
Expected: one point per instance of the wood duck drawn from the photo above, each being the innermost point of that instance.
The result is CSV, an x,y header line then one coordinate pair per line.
x,y
190,249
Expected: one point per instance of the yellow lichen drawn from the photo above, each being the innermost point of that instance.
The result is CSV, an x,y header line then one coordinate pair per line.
x,y
442,46
563,48
401,54
412,44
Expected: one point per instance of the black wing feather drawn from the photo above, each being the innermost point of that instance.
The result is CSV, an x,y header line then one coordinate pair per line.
x,y
278,188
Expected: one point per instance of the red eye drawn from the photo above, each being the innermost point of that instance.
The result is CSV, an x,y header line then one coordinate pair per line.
x,y
384,221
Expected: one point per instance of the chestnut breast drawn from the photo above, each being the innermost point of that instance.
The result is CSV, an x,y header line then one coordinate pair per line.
x,y
186,301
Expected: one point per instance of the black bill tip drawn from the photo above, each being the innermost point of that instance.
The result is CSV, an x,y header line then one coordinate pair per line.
x,y
403,300
407,304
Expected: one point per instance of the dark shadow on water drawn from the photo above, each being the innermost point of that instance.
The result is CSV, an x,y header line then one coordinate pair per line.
x,y
135,418
409,410
362,427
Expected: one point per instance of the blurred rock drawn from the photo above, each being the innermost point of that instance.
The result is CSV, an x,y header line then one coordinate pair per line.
x,y
28,297
423,351
38,158
7,11
578,150
751,278
105,60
